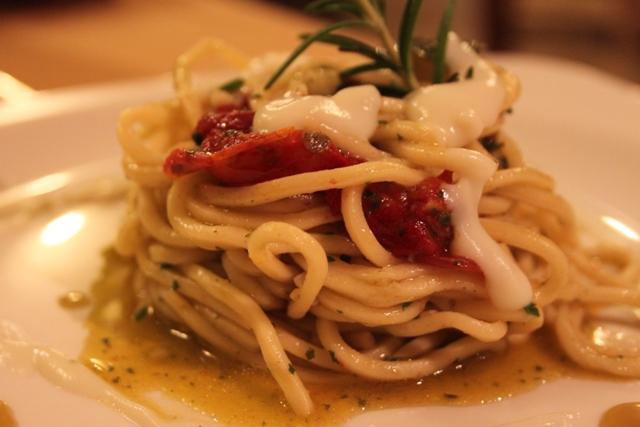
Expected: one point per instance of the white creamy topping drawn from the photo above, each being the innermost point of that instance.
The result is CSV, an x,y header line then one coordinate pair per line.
x,y
508,287
459,111
349,117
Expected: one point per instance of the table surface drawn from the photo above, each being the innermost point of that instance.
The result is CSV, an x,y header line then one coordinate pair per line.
x,y
87,42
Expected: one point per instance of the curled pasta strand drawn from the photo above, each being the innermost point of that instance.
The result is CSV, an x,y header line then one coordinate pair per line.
x,y
429,322
376,369
301,242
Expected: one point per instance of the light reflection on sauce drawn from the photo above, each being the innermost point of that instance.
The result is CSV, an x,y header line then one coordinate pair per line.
x,y
6,416
142,356
623,415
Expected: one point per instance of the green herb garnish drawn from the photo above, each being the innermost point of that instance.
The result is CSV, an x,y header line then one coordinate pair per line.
x,y
453,78
141,314
307,42
332,6
395,56
404,305
491,143
310,354
469,74
330,258
373,199
292,369
503,163
441,43
532,310
444,218
405,39
232,85
175,285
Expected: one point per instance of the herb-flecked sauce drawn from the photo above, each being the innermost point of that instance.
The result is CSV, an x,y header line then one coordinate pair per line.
x,y
140,356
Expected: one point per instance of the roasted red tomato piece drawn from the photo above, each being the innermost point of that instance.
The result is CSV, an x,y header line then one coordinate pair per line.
x,y
413,222
249,158
213,126
410,222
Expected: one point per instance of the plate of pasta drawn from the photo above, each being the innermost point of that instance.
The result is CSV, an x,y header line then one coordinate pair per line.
x,y
324,241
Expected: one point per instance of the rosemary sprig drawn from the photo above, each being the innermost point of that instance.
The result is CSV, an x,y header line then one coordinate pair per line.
x,y
349,44
405,38
381,6
362,68
332,6
307,42
441,43
368,13
393,56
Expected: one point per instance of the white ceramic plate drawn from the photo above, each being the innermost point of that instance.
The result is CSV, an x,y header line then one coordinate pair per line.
x,y
573,122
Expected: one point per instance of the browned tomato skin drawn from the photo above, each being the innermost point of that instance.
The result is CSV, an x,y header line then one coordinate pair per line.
x,y
239,158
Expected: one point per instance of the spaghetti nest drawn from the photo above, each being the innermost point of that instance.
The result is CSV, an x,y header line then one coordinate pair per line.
x,y
269,274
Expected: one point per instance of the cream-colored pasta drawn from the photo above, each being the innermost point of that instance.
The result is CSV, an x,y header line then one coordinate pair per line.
x,y
268,274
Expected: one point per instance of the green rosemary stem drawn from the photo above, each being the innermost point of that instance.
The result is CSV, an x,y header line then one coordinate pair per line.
x,y
378,23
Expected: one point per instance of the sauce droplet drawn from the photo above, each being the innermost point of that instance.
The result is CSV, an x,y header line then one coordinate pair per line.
x,y
6,416
73,300
623,415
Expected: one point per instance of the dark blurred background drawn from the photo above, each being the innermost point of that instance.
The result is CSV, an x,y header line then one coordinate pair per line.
x,y
56,43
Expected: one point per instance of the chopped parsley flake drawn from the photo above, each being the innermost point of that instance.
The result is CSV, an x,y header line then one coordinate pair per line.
x,y
491,143
453,78
166,265
444,218
404,305
292,370
532,310
141,314
232,85
373,198
310,354
175,285
469,74
503,162
330,258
